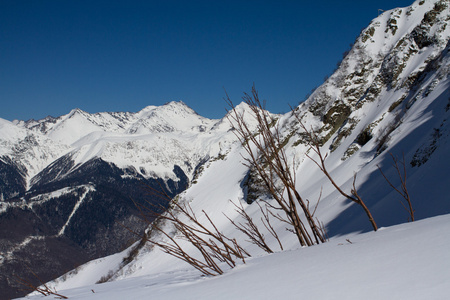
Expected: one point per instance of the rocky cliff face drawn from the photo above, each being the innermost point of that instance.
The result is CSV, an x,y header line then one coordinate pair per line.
x,y
397,70
399,59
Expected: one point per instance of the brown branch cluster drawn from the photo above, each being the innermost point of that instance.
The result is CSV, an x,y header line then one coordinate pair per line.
x,y
212,246
314,144
403,191
251,230
266,154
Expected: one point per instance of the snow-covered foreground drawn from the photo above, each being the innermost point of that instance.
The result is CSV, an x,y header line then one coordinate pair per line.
x,y
407,261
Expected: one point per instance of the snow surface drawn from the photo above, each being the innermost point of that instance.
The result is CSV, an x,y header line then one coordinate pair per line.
x,y
408,261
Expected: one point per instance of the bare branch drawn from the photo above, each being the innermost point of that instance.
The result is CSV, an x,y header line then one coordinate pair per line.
x,y
249,228
266,222
314,144
267,157
211,245
404,190
42,289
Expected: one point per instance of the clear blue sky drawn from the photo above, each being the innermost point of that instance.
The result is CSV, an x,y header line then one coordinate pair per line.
x,y
125,55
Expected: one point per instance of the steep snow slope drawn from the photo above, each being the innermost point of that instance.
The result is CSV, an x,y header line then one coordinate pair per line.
x,y
389,95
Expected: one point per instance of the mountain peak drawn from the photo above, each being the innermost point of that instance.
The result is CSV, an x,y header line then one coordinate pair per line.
x,y
76,111
176,103
178,106
175,106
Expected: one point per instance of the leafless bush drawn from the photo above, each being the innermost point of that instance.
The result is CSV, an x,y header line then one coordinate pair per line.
x,y
212,246
266,154
251,230
314,144
403,191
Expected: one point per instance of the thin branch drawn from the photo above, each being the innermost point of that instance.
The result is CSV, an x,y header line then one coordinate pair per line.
x,y
404,190
268,158
43,289
314,144
249,228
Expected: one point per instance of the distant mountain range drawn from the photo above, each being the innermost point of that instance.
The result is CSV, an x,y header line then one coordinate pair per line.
x,y
67,184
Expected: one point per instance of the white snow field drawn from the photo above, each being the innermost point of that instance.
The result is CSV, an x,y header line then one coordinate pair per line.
x,y
407,261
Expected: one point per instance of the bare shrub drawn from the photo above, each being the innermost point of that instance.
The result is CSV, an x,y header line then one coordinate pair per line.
x,y
251,230
212,246
314,144
266,154
403,191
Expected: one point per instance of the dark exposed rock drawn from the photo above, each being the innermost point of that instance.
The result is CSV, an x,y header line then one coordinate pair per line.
x,y
87,212
12,179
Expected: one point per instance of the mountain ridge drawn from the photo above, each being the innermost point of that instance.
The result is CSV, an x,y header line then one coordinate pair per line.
x,y
80,175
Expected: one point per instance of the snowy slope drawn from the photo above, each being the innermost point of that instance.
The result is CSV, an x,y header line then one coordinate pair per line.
x,y
389,264
103,163
67,183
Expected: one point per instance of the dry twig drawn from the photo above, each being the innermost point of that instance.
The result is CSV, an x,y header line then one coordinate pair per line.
x,y
266,154
43,289
404,190
314,144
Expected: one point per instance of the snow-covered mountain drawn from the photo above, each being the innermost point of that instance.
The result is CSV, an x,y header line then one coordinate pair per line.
x,y
389,96
73,180
152,140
